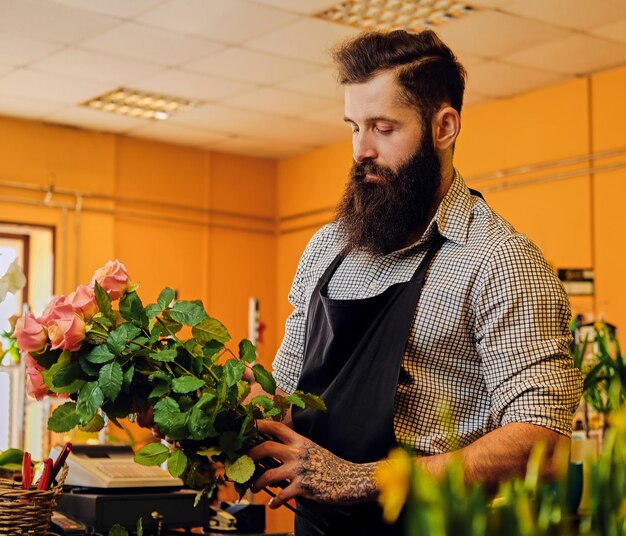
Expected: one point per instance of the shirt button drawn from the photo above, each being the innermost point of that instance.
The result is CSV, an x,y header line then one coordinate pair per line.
x,y
374,285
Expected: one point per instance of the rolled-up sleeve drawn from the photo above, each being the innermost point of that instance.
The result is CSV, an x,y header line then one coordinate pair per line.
x,y
523,338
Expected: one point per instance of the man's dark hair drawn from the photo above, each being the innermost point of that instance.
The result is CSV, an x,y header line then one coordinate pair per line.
x,y
428,72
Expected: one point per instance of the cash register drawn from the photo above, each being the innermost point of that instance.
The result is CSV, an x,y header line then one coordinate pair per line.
x,y
104,487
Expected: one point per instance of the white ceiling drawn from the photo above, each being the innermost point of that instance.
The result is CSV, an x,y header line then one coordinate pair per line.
x,y
261,67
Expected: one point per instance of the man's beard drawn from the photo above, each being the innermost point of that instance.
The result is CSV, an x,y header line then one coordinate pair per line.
x,y
380,216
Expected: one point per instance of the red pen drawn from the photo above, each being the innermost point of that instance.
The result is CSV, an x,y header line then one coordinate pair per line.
x,y
27,471
44,479
58,463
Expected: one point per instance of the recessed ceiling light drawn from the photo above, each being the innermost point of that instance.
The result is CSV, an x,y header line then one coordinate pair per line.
x,y
413,15
135,103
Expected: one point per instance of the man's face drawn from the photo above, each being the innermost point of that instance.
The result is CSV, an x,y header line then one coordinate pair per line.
x,y
396,173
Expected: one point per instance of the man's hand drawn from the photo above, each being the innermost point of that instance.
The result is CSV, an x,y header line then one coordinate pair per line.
x,y
312,471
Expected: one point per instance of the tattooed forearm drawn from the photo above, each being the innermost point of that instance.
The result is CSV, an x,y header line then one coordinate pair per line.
x,y
327,478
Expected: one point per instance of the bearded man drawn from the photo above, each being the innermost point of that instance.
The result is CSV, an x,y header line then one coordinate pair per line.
x,y
420,315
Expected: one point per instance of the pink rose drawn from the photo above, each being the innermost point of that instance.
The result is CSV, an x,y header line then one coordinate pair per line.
x,y
35,385
46,316
113,278
65,328
30,334
83,300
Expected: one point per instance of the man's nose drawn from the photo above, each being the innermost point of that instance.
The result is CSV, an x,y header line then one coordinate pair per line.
x,y
363,148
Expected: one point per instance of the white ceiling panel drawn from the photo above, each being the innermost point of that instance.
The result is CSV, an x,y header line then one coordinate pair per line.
x,y
329,116
229,21
119,8
497,79
4,69
615,31
19,51
277,101
153,45
17,106
574,55
491,33
49,21
223,119
304,7
167,132
80,116
251,66
194,86
98,66
48,87
307,39
578,14
321,82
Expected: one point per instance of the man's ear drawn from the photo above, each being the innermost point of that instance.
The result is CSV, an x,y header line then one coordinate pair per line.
x,y
446,127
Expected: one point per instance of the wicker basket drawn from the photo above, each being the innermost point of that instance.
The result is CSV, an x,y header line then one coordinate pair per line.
x,y
27,512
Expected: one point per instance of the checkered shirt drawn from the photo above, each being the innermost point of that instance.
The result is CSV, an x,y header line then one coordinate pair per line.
x,y
489,340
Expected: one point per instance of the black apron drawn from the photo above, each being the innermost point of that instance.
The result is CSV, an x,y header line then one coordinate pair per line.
x,y
352,359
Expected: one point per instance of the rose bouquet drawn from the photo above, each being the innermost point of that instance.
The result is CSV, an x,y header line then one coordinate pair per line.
x,y
113,357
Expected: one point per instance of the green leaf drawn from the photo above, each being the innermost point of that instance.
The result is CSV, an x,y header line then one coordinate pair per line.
x,y
160,376
90,399
177,463
188,313
230,443
103,301
94,425
247,351
210,329
210,452
240,470
117,530
169,354
110,380
132,310
166,298
140,526
200,423
152,454
311,400
64,418
152,311
11,456
159,390
100,354
211,350
263,401
295,400
233,371
127,379
186,384
165,414
90,369
117,341
130,331
264,378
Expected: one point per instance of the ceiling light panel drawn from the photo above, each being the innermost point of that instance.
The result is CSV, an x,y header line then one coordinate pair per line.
x,y
415,15
139,104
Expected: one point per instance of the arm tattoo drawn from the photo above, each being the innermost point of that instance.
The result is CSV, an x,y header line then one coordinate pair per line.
x,y
330,479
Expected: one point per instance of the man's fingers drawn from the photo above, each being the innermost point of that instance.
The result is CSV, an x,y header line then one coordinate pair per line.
x,y
271,449
278,430
290,492
271,476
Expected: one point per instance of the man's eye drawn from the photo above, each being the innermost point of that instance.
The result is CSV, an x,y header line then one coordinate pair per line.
x,y
383,130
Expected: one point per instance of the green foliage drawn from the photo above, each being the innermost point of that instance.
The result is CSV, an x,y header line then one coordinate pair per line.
x,y
133,360
604,386
10,462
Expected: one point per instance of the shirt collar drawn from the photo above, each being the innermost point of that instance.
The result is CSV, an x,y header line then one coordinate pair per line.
x,y
454,212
